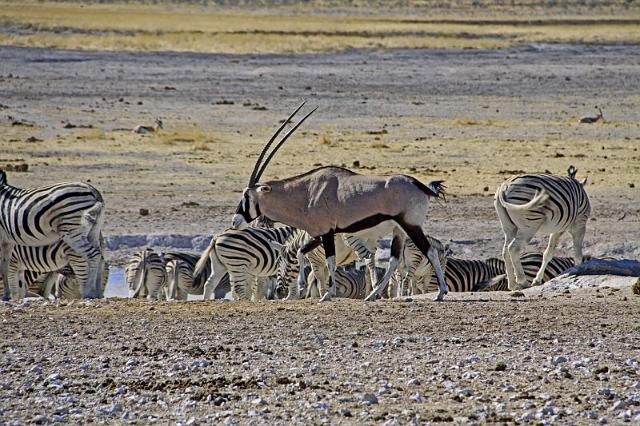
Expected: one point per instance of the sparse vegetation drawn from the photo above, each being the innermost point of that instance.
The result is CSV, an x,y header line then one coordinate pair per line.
x,y
636,287
193,135
180,27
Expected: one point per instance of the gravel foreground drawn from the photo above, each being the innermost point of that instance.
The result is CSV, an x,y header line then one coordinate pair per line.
x,y
572,357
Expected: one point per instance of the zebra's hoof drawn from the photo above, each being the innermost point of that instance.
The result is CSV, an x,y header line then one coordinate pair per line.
x,y
325,298
439,297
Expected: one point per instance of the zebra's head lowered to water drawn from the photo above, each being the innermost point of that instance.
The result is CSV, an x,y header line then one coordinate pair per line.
x,y
249,206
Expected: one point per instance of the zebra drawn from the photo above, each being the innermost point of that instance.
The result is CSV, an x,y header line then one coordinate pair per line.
x,y
249,256
531,264
350,283
348,249
63,284
28,263
145,275
461,275
72,213
528,204
181,283
413,262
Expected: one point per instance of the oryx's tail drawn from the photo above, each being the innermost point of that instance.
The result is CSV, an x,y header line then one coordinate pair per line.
x,y
536,201
434,188
493,284
204,259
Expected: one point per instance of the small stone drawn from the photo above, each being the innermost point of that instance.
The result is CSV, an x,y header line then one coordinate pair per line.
x,y
345,412
559,360
416,397
231,421
40,419
501,366
320,405
413,382
144,212
191,422
529,415
259,401
619,405
369,398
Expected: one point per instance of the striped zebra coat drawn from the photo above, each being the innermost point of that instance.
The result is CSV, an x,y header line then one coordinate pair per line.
x,y
180,267
145,275
249,256
69,212
28,263
531,264
533,203
348,248
461,275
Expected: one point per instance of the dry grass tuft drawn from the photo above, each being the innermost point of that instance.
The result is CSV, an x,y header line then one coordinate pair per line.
x,y
379,145
193,135
324,140
636,287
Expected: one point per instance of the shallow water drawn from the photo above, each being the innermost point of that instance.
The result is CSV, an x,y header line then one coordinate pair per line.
x,y
116,286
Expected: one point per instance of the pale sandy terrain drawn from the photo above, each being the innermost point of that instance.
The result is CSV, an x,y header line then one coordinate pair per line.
x,y
471,117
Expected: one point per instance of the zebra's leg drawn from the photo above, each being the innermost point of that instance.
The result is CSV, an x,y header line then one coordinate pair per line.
x,y
422,242
6,249
294,290
577,232
515,249
92,256
546,257
510,231
240,285
211,284
396,247
329,246
259,291
80,268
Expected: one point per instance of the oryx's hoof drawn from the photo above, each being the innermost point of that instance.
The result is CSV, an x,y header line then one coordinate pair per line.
x,y
439,297
535,282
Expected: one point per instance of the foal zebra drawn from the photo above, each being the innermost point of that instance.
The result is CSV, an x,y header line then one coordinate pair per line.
x,y
145,275
66,212
181,282
461,275
531,264
249,256
28,263
528,204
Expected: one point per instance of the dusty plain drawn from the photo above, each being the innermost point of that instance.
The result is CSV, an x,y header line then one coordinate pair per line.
x,y
469,114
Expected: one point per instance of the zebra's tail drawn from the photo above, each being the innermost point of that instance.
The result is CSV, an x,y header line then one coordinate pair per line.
x,y
536,201
141,275
204,259
494,284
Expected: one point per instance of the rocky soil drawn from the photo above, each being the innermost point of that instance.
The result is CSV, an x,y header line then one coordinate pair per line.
x,y
570,357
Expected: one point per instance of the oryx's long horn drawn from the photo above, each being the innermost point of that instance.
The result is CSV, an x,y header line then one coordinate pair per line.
x,y
284,138
254,177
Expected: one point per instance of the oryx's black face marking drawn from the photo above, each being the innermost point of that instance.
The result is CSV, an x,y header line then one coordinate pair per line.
x,y
248,210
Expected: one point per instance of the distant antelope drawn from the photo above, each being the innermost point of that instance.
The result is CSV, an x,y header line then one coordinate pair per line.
x,y
528,204
332,200
591,120
142,129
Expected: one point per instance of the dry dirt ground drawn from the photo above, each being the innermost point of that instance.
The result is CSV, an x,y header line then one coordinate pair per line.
x,y
571,358
469,117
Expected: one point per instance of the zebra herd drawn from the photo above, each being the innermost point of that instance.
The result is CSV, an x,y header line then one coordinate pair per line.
x,y
329,218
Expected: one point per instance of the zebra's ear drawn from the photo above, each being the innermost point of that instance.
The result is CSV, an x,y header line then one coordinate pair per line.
x,y
263,188
583,182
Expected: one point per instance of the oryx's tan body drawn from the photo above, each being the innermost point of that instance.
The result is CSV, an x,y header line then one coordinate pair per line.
x,y
339,200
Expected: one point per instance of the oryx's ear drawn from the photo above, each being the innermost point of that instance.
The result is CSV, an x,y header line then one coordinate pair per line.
x,y
583,182
263,188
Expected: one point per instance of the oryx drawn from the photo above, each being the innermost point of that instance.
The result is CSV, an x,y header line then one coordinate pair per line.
x,y
331,200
